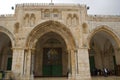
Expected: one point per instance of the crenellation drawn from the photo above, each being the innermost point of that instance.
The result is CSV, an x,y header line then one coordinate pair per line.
x,y
49,4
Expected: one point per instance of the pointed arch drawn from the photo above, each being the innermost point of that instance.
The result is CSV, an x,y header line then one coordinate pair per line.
x,y
51,26
9,34
107,30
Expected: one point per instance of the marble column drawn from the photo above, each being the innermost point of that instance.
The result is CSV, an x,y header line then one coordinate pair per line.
x,y
32,65
28,63
72,65
17,62
83,69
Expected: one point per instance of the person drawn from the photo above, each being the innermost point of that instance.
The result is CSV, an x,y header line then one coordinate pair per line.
x,y
99,72
105,72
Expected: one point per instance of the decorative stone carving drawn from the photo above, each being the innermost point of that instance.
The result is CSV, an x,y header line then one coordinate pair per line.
x,y
29,19
56,13
51,14
69,19
74,20
46,13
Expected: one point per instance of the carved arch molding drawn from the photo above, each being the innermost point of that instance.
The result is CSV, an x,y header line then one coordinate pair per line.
x,y
8,33
50,26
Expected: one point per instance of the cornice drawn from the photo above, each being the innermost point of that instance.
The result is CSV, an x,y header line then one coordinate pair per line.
x,y
7,17
104,18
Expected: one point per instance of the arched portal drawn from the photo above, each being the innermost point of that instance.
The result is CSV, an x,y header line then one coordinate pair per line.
x,y
50,56
48,26
47,39
5,52
102,52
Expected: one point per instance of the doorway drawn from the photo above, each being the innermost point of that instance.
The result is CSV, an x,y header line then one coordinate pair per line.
x,y
50,56
52,62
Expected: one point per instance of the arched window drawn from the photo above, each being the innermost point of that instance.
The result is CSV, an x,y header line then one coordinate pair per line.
x,y
75,19
69,19
32,19
26,19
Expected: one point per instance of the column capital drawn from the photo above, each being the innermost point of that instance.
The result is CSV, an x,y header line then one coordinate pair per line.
x,y
26,48
14,48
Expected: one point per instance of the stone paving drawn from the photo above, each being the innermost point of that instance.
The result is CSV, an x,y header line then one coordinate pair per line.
x,y
106,78
93,78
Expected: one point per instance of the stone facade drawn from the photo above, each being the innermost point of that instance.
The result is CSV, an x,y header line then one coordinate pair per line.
x,y
32,25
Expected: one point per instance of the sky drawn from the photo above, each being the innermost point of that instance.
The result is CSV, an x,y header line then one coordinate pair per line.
x,y
99,7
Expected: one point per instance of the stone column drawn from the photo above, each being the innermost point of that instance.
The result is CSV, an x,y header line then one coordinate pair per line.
x,y
72,65
83,69
27,64
32,65
17,62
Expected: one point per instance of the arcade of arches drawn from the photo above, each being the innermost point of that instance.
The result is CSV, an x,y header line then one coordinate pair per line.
x,y
51,58
58,40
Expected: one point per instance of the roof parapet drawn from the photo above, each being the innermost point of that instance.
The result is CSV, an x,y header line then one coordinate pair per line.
x,y
7,15
108,18
47,4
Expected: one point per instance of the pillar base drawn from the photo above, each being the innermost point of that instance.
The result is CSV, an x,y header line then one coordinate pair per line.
x,y
79,77
82,77
28,77
71,77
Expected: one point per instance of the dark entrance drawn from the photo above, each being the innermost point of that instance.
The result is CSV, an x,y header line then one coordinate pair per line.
x,y
102,54
51,56
52,63
5,52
